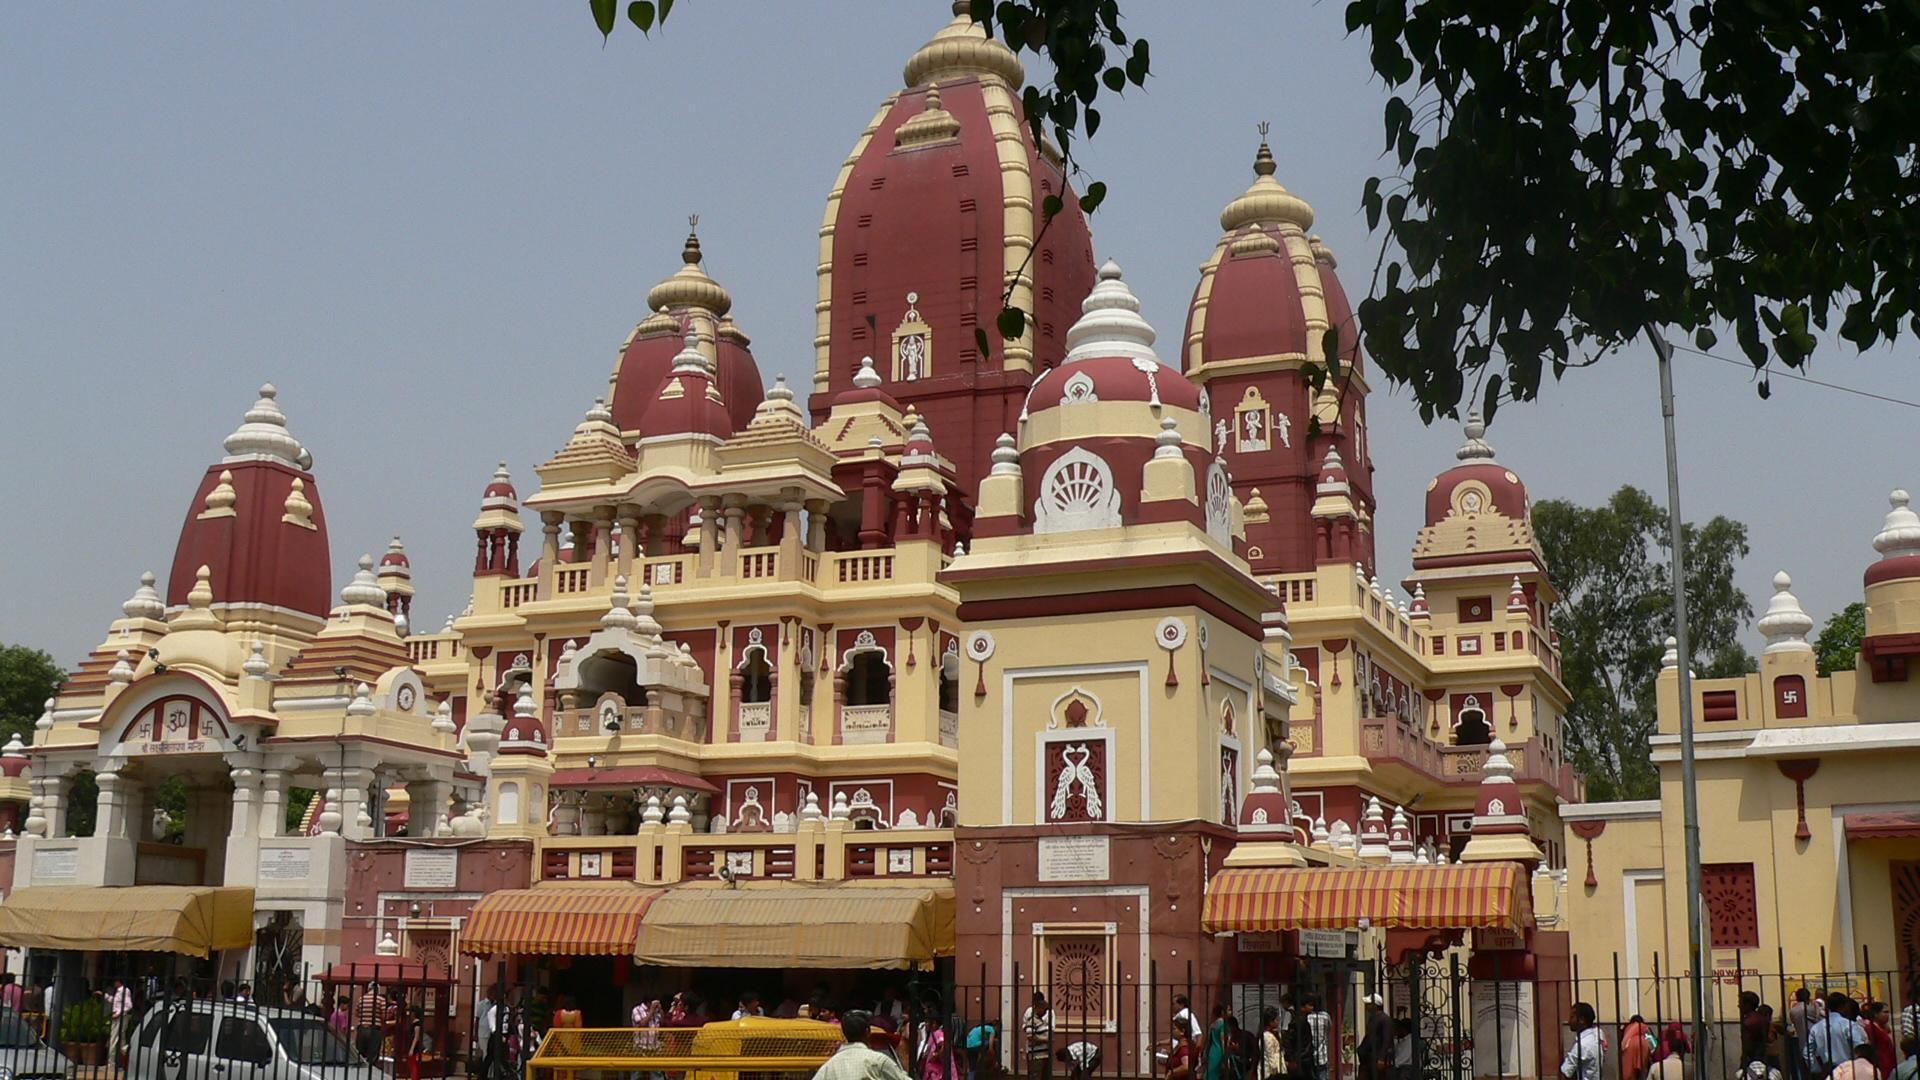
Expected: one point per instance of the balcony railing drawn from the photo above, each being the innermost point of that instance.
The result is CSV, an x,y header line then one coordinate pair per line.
x,y
865,723
758,563
571,579
634,719
756,720
512,596
852,567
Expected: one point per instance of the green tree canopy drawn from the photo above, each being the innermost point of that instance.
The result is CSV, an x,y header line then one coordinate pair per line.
x,y
1838,646
1575,174
28,677
1615,614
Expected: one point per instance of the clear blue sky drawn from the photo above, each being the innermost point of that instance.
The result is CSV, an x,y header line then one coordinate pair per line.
x,y
432,225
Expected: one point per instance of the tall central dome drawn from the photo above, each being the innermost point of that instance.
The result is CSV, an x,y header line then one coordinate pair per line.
x,y
935,214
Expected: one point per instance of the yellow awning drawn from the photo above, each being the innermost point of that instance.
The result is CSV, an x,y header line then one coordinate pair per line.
x,y
557,920
192,919
1491,895
771,924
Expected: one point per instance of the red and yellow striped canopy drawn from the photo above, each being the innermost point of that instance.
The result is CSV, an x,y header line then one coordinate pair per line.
x,y
1460,896
558,920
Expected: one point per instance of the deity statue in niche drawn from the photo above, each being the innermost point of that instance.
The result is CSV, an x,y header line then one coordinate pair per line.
x,y
1255,422
912,344
1220,436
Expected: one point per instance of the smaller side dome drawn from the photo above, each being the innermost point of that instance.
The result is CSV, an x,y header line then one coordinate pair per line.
x,y
690,300
1479,484
499,493
395,561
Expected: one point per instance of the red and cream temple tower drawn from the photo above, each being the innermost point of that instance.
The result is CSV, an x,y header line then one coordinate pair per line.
x,y
989,636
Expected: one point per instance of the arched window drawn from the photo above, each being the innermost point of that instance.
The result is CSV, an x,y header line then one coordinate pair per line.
x,y
1471,728
869,679
950,683
756,677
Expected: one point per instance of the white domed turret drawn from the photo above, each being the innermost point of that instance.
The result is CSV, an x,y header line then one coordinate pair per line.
x,y
1785,625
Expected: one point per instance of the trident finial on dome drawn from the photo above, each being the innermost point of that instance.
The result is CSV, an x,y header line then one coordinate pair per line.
x,y
1263,164
690,254
1475,448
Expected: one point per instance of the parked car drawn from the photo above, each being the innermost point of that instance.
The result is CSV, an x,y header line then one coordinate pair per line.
x,y
24,1055
232,1040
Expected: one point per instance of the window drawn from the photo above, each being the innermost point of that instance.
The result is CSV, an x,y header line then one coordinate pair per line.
x,y
1731,907
1719,706
756,677
950,683
187,1033
869,679
1471,728
242,1040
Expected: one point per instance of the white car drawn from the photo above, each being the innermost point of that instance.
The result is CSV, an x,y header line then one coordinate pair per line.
x,y
24,1056
230,1040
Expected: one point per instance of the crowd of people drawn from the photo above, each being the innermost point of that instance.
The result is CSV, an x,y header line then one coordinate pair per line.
x,y
1835,1037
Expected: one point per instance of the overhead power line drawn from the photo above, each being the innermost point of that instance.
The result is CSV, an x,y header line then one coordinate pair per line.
x,y
1774,373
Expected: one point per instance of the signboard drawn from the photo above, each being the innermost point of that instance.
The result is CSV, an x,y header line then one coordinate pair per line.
x,y
1325,943
286,863
55,864
432,868
1486,939
1503,1029
1073,858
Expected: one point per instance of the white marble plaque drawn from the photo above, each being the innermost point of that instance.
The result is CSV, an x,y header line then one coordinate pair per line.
x,y
1073,858
432,868
55,864
900,860
286,863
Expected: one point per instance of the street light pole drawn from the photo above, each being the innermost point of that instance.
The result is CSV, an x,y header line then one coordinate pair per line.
x,y
1689,794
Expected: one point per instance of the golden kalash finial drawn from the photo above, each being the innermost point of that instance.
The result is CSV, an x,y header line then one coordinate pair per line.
x,y
1263,159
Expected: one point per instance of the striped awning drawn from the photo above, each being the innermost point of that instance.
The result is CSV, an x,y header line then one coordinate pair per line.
x,y
874,924
557,920
1460,896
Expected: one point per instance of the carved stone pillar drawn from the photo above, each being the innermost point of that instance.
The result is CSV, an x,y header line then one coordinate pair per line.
x,y
602,546
549,550
817,525
273,802
246,794
735,510
709,534
110,810
633,548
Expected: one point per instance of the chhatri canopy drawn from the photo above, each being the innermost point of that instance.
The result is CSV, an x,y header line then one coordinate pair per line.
x,y
189,919
1460,896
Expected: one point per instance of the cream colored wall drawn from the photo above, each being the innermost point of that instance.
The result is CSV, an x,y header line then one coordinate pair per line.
x,y
1174,744
1597,916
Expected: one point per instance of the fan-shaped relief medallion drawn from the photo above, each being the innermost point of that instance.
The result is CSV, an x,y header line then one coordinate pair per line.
x,y
1076,492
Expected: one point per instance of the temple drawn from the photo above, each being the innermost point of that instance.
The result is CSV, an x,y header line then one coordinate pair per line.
x,y
1054,658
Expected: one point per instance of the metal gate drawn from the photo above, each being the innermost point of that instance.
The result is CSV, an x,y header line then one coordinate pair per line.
x,y
277,964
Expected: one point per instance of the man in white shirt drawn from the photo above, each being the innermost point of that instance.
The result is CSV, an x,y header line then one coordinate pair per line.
x,y
1183,1016
856,1060
120,1007
1832,1039
1036,1026
1587,1050
1319,1037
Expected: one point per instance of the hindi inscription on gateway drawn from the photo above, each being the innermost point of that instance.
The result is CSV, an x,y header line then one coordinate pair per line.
x,y
1073,858
432,868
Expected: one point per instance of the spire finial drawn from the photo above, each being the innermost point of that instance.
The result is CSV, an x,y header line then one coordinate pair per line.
x,y
1475,448
690,254
1900,533
867,377
1786,624
1263,164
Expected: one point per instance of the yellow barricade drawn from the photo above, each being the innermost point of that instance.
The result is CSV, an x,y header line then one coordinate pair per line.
x,y
758,1047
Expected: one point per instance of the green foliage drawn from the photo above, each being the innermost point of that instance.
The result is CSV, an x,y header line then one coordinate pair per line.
x,y
1615,614
84,1021
1090,55
1572,174
28,677
1838,646
83,804
298,799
